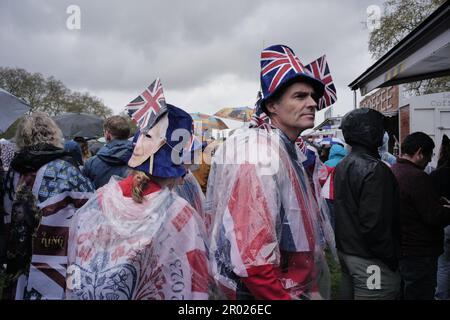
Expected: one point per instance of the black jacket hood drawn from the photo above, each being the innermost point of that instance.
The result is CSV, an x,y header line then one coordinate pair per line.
x,y
364,127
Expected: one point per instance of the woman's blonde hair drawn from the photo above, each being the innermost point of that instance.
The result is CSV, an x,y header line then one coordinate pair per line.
x,y
38,128
140,182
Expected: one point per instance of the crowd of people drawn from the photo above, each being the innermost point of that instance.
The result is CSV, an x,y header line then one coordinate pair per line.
x,y
263,218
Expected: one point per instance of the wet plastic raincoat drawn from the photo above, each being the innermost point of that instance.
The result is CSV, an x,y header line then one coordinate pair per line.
x,y
121,249
191,191
268,232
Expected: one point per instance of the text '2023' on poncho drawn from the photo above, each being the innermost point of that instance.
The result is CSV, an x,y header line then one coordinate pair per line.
x,y
121,249
268,232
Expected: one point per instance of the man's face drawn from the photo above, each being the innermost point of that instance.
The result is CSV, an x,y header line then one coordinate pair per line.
x,y
296,108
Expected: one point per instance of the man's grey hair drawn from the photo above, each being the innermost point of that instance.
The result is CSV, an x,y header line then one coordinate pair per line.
x,y
38,128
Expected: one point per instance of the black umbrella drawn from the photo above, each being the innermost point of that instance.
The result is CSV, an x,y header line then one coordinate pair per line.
x,y
80,125
11,108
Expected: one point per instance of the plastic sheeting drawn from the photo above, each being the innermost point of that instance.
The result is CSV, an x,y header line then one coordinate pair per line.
x,y
191,191
120,249
387,157
265,211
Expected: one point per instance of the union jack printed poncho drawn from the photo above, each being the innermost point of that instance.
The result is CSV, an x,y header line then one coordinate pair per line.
x,y
59,189
266,220
191,191
123,250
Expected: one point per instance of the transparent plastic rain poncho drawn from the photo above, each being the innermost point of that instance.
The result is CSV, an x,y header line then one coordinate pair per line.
x,y
120,249
387,157
264,209
191,191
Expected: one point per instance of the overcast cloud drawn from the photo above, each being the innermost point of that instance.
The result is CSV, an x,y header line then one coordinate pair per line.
x,y
206,52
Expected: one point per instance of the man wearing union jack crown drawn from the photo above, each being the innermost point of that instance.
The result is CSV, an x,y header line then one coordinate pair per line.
x,y
269,227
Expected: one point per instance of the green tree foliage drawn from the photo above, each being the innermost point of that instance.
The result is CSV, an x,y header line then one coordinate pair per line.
x,y
48,94
400,18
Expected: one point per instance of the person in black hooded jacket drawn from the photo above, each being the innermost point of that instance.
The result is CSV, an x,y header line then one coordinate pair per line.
x,y
366,207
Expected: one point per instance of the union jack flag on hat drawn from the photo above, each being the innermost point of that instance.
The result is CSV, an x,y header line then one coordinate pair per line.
x,y
279,65
319,68
148,106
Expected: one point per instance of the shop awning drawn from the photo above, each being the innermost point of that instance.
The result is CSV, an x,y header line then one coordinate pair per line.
x,y
422,54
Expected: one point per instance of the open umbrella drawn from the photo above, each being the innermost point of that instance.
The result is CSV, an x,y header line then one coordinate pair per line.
x,y
80,125
240,113
11,108
206,123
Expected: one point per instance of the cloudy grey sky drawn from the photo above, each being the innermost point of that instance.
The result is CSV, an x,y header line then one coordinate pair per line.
x,y
206,52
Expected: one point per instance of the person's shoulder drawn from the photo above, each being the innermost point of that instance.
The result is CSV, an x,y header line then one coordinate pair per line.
x,y
118,143
64,170
64,167
88,164
361,165
383,168
360,158
410,174
441,172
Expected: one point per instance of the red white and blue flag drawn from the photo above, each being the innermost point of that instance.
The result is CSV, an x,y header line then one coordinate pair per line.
x,y
276,65
148,106
319,68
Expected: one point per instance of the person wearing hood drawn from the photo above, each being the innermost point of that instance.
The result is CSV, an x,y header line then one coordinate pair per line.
x,y
111,159
43,189
136,239
337,153
366,202
387,157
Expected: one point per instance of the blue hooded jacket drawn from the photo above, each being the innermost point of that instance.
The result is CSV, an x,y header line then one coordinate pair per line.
x,y
111,160
337,153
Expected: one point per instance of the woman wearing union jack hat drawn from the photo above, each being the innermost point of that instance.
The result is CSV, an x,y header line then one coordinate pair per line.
x,y
269,226
136,239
